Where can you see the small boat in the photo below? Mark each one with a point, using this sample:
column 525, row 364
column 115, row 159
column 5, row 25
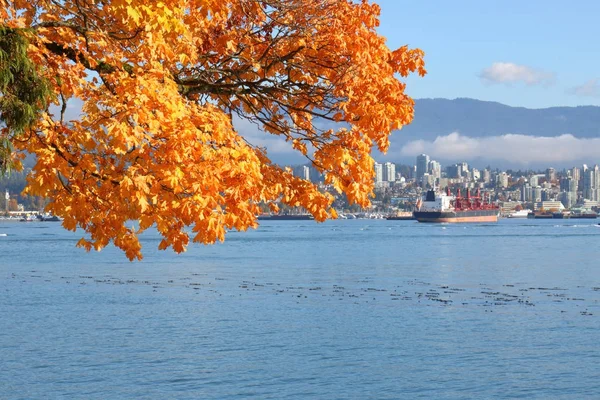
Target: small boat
column 401, row 216
column 539, row 215
column 519, row 214
column 51, row 218
column 587, row 214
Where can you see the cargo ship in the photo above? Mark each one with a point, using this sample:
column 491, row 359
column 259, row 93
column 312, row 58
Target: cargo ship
column 445, row 207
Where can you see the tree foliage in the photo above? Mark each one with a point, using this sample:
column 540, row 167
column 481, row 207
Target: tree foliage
column 24, row 92
column 160, row 82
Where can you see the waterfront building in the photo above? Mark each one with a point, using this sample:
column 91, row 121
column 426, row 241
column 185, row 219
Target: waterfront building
column 551, row 205
column 506, row 207
column 588, row 204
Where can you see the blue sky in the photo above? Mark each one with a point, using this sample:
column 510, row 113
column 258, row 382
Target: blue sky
column 533, row 54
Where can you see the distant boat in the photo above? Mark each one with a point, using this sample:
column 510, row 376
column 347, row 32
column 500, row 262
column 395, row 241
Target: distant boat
column 538, row 215
column 401, row 216
column 51, row 218
column 519, row 214
column 585, row 214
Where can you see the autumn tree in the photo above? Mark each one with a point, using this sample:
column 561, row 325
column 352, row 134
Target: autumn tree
column 160, row 82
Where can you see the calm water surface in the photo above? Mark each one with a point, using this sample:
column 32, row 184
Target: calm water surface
column 295, row 310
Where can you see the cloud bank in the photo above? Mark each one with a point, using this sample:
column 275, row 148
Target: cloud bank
column 278, row 150
column 508, row 73
column 590, row 88
column 520, row 150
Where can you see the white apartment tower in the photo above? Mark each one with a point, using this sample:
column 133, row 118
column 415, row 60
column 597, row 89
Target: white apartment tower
column 435, row 169
column 378, row 173
column 305, row 173
column 389, row 172
column 591, row 183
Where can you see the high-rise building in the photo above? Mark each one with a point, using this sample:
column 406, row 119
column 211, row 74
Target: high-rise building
column 464, row 169
column 305, row 173
column 536, row 194
column 568, row 199
column 502, row 180
column 389, row 172
column 568, row 185
column 475, row 174
column 378, row 173
column 545, row 195
column 486, row 175
column 576, row 174
column 550, row 174
column 591, row 183
column 435, row 169
column 422, row 166
column 453, row 171
column 526, row 193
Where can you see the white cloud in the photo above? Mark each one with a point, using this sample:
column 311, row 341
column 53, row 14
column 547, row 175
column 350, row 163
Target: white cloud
column 278, row 150
column 257, row 137
column 515, row 149
column 590, row 88
column 501, row 72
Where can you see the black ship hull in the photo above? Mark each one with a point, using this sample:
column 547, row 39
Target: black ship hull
column 457, row 216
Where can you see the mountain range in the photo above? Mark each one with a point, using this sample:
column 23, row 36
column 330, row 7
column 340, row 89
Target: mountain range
column 488, row 132
column 476, row 118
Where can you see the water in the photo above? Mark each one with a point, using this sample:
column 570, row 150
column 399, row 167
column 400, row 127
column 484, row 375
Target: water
column 346, row 309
